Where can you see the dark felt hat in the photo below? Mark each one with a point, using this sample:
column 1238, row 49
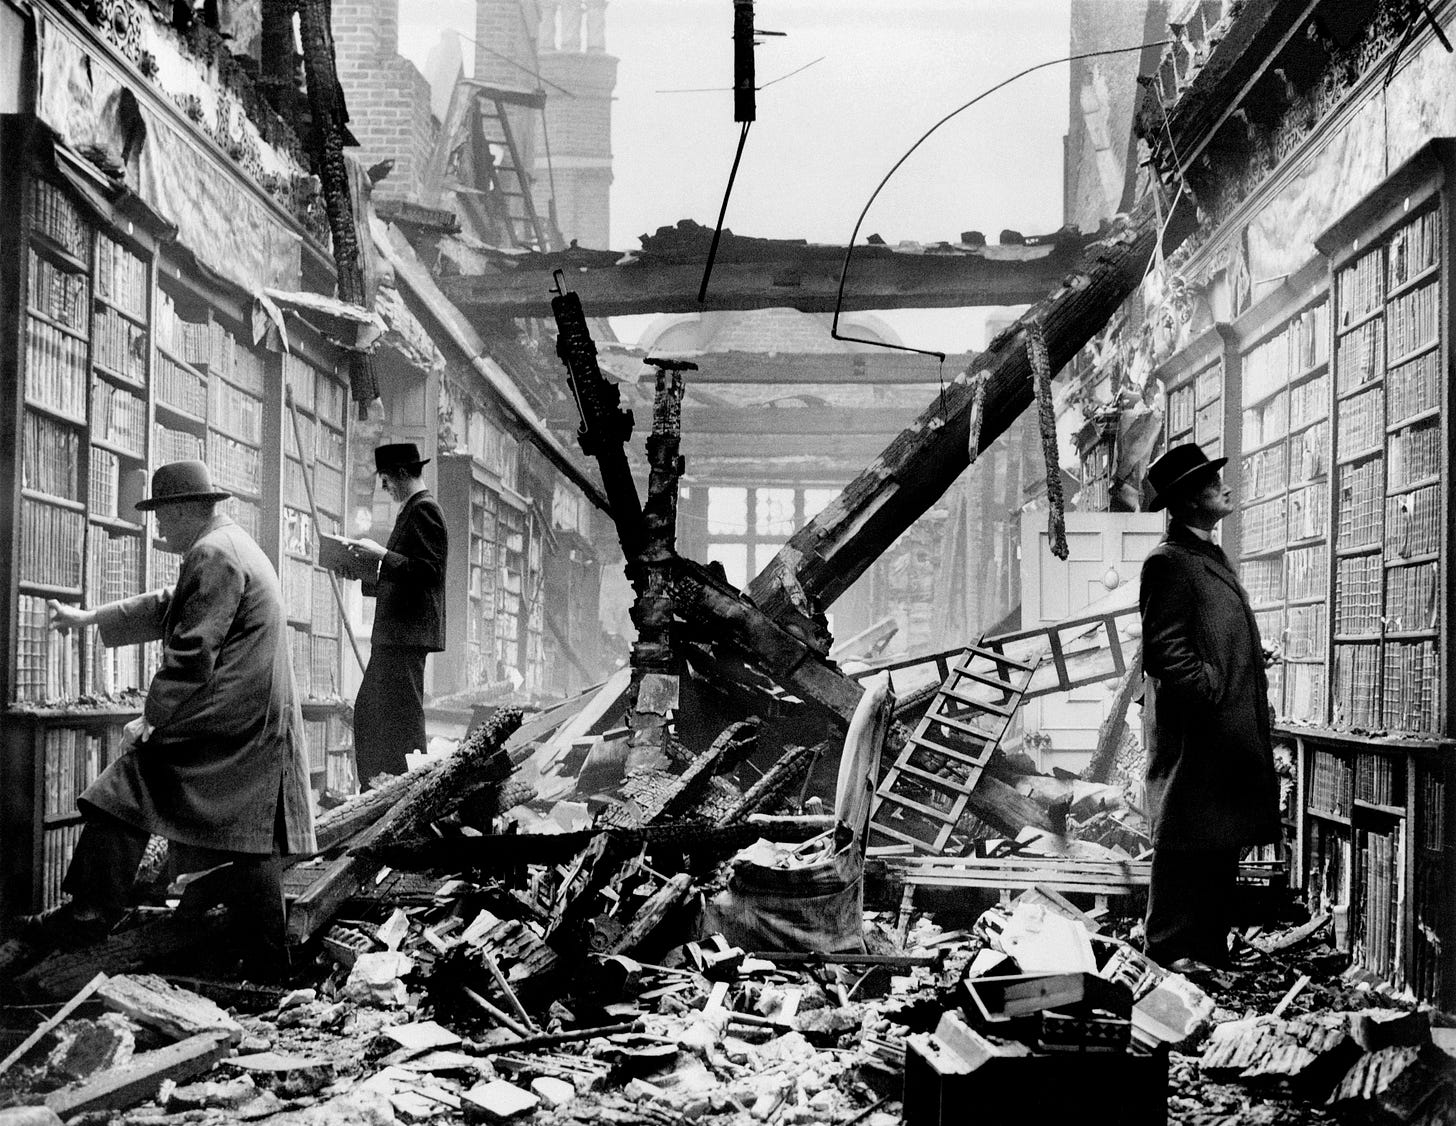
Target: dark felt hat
column 1181, row 468
column 397, row 455
column 179, row 481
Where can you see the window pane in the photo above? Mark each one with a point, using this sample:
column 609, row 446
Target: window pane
column 727, row 512
column 816, row 500
column 734, row 557
column 773, row 512
column 762, row 553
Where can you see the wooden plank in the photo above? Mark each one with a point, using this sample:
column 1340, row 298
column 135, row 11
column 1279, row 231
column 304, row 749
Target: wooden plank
column 61, row 1014
column 120, row 1087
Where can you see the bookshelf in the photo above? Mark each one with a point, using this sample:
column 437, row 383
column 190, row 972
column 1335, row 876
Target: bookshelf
column 469, row 497
column 1283, row 495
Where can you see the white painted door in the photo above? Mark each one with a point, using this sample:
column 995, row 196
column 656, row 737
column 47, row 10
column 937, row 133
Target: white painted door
column 1105, row 552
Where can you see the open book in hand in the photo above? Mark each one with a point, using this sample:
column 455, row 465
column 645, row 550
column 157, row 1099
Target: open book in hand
column 334, row 554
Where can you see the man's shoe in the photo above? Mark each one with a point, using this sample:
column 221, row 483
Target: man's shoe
column 63, row 927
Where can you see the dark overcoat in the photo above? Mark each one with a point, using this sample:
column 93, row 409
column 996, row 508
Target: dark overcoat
column 1210, row 767
column 227, row 745
column 410, row 586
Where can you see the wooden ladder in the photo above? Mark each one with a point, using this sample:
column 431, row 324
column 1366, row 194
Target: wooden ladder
column 923, row 795
column 511, row 180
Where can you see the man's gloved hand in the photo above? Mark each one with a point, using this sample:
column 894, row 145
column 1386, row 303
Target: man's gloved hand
column 137, row 731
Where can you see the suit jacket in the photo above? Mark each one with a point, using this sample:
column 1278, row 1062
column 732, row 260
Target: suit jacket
column 1210, row 767
column 410, row 586
column 228, row 741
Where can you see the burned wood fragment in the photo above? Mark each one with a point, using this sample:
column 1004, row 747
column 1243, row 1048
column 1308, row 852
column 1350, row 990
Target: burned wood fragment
column 136, row 1081
column 651, row 914
column 777, row 781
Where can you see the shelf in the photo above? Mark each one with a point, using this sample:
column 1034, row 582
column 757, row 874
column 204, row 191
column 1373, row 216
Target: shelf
column 1420, row 483
column 1304, row 661
column 1350, row 459
column 166, row 351
column 180, row 415
column 120, row 380
column 1414, row 281
column 1308, row 600
column 53, row 412
column 60, row 820
column 1414, row 353
column 139, row 320
column 119, row 451
column 117, row 524
column 1412, row 560
column 1308, row 541
column 213, row 428
column 1428, row 413
column 1325, row 815
column 1360, row 549
column 75, row 714
column 48, row 498
column 1310, row 372
column 1263, row 553
column 1412, row 635
column 33, row 587
column 1309, row 424
column 59, row 326
column 54, row 250
column 1290, row 381
column 1269, row 445
column 1341, row 396
column 1296, row 485
column 1360, row 322
column 1375, row 807
column 1355, row 638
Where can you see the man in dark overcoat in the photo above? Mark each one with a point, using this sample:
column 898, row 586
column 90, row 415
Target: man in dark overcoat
column 216, row 763
column 1211, row 785
column 409, row 616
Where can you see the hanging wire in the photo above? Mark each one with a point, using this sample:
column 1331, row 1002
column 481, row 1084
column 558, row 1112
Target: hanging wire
column 722, row 211
column 849, row 250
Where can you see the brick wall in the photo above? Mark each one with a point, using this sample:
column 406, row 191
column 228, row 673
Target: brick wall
column 388, row 98
column 581, row 144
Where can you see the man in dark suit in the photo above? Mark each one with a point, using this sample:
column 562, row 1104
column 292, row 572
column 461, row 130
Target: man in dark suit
column 1211, row 785
column 409, row 617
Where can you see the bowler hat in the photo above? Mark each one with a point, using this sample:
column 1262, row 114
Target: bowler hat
column 179, row 481
column 1176, row 470
column 397, row 455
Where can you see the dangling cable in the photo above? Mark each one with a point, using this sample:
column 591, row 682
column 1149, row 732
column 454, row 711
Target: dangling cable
column 722, row 211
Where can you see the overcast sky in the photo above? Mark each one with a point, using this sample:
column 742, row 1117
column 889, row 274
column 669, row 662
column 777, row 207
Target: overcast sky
column 825, row 137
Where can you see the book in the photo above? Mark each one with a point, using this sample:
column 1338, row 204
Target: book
column 334, row 555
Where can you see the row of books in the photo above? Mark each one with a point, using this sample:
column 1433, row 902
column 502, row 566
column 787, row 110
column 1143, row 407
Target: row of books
column 235, row 465
column 1309, row 401
column 1414, row 454
column 297, row 579
column 248, row 515
column 1431, row 812
column 1208, row 425
column 1413, row 597
column 1361, row 504
column 1263, row 579
column 1360, row 289
column 119, row 418
column 73, row 759
column 121, row 277
column 315, row 664
column 298, row 532
column 1306, row 633
column 1415, row 387
column 114, row 671
column 1309, row 453
column 234, row 412
column 1409, row 695
column 51, row 540
column 1357, row 675
column 1361, row 423
column 1414, row 248
column 1303, row 693
column 105, row 494
column 1264, row 423
column 1413, row 320
column 1360, row 356
column 1413, row 523
column 1375, row 780
column 1427, row 971
column 55, row 369
column 57, row 292
column 185, row 339
column 171, row 444
column 325, row 608
column 50, row 456
column 56, row 217
column 114, row 568
column 1331, row 782
column 47, row 663
column 1296, row 348
column 1309, row 509
column 56, row 849
column 181, row 387
column 1264, row 526
column 1307, row 572
column 1357, row 594
column 1381, row 864
column 1180, row 410
column 164, row 568
column 119, row 345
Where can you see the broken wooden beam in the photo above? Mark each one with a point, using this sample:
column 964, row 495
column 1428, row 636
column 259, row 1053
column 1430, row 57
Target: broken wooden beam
column 825, row 557
column 175, row 1012
column 60, row 1014
column 651, row 914
column 121, row 1087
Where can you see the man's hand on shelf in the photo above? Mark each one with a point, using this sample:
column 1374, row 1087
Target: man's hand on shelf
column 65, row 617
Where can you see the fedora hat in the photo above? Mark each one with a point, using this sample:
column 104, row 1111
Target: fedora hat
column 397, row 455
column 1176, row 470
column 179, row 481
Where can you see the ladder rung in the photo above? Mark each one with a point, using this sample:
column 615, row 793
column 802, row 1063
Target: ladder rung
column 962, row 697
column 951, row 752
column 950, row 785
column 1005, row 686
column 961, row 725
column 924, row 810
column 1004, row 711
column 915, row 842
column 1000, row 659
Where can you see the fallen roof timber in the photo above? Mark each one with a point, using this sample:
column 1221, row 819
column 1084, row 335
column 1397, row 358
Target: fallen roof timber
column 787, row 276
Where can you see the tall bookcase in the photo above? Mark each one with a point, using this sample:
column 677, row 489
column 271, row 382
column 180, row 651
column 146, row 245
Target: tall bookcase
column 127, row 360
column 1283, row 494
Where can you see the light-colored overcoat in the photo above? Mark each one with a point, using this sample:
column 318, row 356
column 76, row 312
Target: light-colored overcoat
column 226, row 758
